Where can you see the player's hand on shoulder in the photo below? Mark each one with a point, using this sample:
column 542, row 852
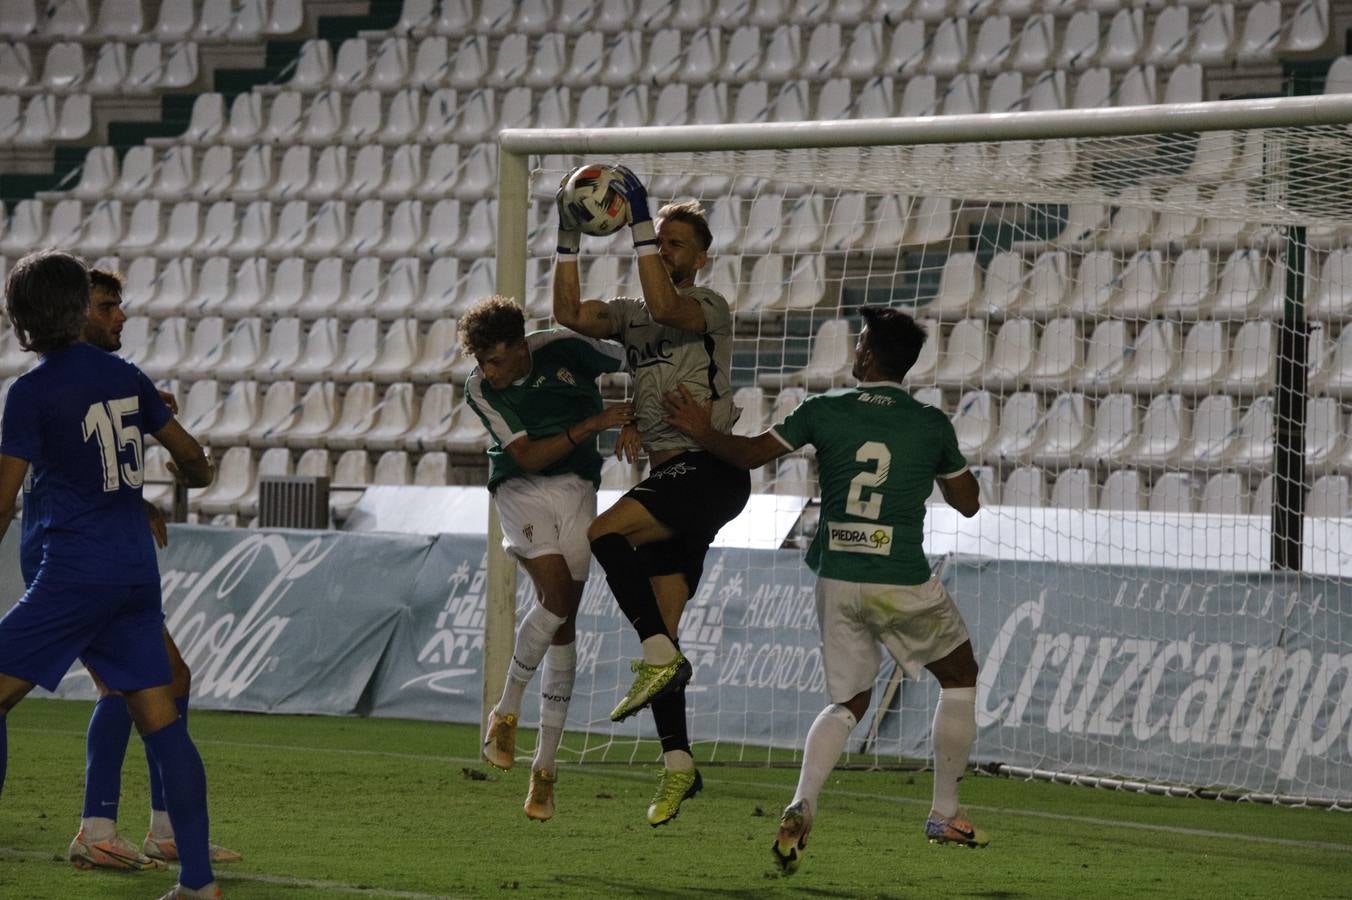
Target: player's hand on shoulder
column 629, row 445
column 631, row 187
column 170, row 401
column 685, row 413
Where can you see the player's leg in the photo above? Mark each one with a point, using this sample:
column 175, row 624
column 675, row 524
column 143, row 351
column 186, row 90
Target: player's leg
column 129, row 653
column 530, row 509
column 851, row 658
column 554, row 587
column 12, row 690
column 921, row 626
column 954, row 734
column 680, row 780
column 40, row 637
column 615, row 537
column 159, row 843
column 98, row 844
column 169, row 747
column 575, row 511
column 686, row 498
column 559, row 671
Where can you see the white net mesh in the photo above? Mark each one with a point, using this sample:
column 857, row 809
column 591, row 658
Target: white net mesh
column 1141, row 344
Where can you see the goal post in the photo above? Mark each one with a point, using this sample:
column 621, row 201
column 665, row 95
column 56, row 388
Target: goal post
column 1137, row 319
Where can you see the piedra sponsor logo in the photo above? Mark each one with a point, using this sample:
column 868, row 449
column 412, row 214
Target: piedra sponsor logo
column 859, row 537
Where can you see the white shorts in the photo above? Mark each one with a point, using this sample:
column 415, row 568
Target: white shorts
column 543, row 515
column 917, row 623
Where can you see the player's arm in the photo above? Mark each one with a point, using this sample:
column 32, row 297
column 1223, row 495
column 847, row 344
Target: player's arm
column 191, row 464
column 962, row 492
column 12, row 473
column 534, row 454
column 589, row 317
column 666, row 305
column 688, row 415
column 158, row 529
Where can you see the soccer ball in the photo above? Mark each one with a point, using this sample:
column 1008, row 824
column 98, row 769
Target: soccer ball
column 591, row 197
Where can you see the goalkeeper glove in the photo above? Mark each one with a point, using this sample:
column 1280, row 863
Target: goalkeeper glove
column 640, row 219
column 570, row 235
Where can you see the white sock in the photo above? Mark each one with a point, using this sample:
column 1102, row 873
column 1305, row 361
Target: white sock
column 159, row 823
column 954, row 733
column 556, row 689
column 658, row 650
column 532, row 640
column 678, row 760
column 98, row 828
column 825, row 742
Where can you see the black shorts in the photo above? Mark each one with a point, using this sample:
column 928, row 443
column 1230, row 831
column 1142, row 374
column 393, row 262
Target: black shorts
column 694, row 494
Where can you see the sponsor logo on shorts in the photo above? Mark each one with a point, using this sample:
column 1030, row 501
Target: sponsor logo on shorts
column 565, row 376
column 859, row 537
column 529, row 532
column 675, row 470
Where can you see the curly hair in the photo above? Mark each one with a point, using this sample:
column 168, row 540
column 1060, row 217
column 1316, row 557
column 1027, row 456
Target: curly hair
column 47, row 299
column 692, row 214
column 492, row 321
column 894, row 339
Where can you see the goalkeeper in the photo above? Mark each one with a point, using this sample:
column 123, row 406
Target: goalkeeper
column 879, row 453
column 652, row 542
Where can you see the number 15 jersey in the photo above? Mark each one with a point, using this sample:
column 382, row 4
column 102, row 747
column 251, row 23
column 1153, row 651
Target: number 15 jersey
column 878, row 453
column 78, row 418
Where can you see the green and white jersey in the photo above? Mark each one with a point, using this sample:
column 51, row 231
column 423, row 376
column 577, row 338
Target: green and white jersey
column 878, row 453
column 661, row 357
column 560, row 390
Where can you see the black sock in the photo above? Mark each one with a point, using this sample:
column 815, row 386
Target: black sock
column 629, row 583
column 669, row 716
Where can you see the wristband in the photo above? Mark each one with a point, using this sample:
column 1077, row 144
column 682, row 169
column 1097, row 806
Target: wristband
column 645, row 238
column 568, row 243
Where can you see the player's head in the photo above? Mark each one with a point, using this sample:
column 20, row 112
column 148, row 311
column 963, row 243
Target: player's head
column 103, row 328
column 888, row 345
column 47, row 298
column 493, row 331
column 683, row 240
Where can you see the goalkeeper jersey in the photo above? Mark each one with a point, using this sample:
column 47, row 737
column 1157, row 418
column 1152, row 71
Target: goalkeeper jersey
column 661, row 358
column 559, row 391
column 878, row 453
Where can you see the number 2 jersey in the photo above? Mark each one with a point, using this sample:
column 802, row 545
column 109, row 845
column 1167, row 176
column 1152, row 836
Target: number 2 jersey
column 78, row 418
column 878, row 453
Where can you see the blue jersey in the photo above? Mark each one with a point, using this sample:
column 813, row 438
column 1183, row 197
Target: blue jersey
column 78, row 418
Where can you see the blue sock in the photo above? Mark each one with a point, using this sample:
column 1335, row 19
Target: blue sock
column 185, row 791
column 4, row 750
column 156, row 785
column 105, row 750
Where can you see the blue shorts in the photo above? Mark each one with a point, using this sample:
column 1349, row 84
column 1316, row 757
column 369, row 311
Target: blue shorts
column 117, row 630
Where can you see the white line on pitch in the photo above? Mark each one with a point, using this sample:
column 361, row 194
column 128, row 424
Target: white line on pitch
column 644, row 776
column 280, row 880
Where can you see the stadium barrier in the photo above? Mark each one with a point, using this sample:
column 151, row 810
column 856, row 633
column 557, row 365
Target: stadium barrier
column 1206, row 678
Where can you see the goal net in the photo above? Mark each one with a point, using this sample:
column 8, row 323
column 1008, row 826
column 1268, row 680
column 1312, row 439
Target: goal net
column 1143, row 338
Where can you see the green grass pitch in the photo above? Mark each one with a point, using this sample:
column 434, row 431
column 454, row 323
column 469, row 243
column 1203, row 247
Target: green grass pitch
column 326, row 807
